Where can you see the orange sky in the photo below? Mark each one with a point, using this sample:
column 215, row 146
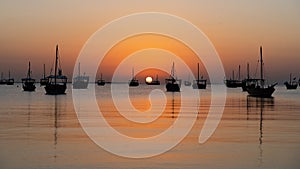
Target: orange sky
column 31, row 29
column 152, row 58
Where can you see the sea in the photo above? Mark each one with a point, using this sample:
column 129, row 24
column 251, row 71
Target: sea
column 44, row 131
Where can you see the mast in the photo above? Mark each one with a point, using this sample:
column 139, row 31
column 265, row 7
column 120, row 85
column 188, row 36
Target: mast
column 28, row 73
column 8, row 74
column 290, row 78
column 233, row 75
column 198, row 72
column 248, row 76
column 56, row 59
column 261, row 67
column 101, row 76
column 239, row 72
column 156, row 77
column 172, row 71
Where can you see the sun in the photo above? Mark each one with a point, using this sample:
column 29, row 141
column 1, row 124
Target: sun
column 148, row 79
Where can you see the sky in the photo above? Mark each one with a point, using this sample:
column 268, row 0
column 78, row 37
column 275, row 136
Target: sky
column 31, row 29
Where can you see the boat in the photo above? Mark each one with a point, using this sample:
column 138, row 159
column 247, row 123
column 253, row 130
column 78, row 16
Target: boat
column 257, row 87
column 133, row 82
column 154, row 82
column 80, row 81
column 101, row 81
column 57, row 83
column 28, row 82
column 187, row 82
column 10, row 81
column 234, row 83
column 44, row 80
column 292, row 84
column 2, row 80
column 199, row 83
column 173, row 84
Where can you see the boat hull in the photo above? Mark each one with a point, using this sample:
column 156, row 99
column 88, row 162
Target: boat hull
column 199, row 85
column 134, row 83
column 233, row 83
column 80, row 85
column 172, row 87
column 244, row 85
column 80, row 82
column 2, row 82
column 153, row 83
column 261, row 92
column 290, row 86
column 55, row 89
column 101, row 83
column 43, row 82
column 30, row 87
column 10, row 82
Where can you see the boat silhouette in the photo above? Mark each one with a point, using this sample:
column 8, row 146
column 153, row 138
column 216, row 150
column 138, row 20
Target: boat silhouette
column 2, row 80
column 154, row 82
column 187, row 82
column 133, row 82
column 44, row 80
column 234, row 83
column 28, row 82
column 57, row 83
column 80, row 81
column 10, row 81
column 101, row 81
column 199, row 83
column 173, row 84
column 292, row 84
column 257, row 87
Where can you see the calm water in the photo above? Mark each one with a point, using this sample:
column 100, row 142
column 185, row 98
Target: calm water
column 41, row 131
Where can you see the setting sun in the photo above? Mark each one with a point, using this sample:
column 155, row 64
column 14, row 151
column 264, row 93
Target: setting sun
column 148, row 79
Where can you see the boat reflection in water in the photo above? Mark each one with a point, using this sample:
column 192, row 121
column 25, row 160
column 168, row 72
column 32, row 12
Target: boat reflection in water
column 55, row 124
column 259, row 105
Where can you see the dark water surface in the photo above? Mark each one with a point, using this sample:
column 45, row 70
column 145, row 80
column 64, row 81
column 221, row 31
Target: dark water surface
column 41, row 131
